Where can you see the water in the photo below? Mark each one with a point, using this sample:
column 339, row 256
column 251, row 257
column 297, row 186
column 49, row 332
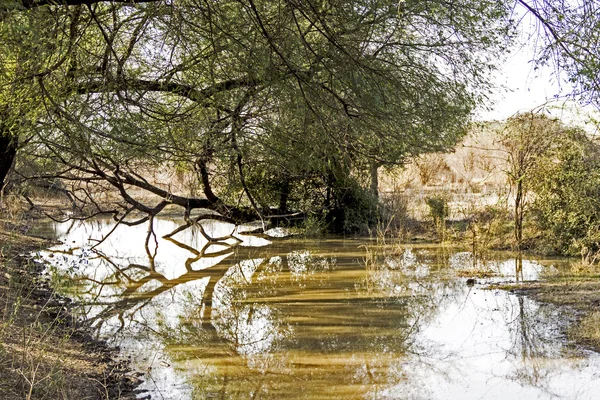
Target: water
column 266, row 318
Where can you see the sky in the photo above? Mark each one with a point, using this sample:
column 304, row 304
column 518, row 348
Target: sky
column 526, row 88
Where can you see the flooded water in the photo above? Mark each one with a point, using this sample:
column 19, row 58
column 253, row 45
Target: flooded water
column 244, row 316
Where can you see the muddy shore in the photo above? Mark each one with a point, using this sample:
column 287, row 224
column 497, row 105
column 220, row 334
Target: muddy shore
column 45, row 352
column 578, row 295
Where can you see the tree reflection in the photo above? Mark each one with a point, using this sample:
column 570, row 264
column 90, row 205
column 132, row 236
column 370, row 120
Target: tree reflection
column 254, row 322
column 536, row 353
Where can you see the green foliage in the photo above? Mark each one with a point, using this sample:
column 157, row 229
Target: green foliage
column 258, row 95
column 354, row 208
column 439, row 211
column 438, row 208
column 526, row 138
column 566, row 183
column 314, row 226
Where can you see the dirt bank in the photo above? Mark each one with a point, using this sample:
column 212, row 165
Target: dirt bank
column 44, row 352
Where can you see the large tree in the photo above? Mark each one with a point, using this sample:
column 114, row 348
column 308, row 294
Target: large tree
column 254, row 95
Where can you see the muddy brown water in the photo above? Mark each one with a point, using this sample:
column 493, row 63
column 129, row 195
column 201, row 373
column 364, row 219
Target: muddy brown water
column 249, row 317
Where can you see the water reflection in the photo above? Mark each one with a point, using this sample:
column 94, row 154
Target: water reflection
column 210, row 311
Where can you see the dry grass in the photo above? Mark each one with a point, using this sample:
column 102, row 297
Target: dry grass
column 471, row 180
column 588, row 330
column 476, row 272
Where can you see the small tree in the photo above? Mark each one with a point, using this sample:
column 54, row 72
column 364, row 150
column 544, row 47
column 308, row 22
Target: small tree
column 526, row 137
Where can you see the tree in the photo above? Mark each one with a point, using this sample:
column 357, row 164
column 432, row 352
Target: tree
column 251, row 94
column 526, row 138
column 20, row 39
column 566, row 208
column 567, row 37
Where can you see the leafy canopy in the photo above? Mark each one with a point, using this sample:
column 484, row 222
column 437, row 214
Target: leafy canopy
column 251, row 94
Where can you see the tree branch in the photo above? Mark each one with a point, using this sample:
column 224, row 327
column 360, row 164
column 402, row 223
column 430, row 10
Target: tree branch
column 28, row 4
column 181, row 89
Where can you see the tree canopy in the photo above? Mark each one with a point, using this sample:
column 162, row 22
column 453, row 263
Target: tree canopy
column 275, row 106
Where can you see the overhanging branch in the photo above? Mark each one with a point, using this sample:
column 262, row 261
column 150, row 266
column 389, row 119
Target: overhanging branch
column 180, row 89
column 28, row 4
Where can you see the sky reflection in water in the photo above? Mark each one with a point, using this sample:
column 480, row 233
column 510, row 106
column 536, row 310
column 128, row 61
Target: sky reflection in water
column 253, row 317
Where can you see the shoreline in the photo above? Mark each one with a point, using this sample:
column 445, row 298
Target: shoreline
column 577, row 295
column 45, row 353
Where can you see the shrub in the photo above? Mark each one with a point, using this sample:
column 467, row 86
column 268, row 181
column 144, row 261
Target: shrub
column 566, row 208
column 438, row 208
column 314, row 225
column 355, row 208
column 439, row 211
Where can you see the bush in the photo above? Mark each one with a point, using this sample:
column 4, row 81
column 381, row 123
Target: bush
column 439, row 211
column 438, row 208
column 566, row 208
column 489, row 227
column 355, row 208
column 314, row 226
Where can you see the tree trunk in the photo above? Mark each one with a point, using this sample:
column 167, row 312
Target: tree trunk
column 205, row 178
column 519, row 267
column 8, row 151
column 519, row 209
column 284, row 195
column 374, row 179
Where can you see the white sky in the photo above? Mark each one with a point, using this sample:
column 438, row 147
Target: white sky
column 526, row 88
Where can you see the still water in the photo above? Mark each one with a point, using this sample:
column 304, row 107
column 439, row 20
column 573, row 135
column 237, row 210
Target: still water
column 243, row 316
